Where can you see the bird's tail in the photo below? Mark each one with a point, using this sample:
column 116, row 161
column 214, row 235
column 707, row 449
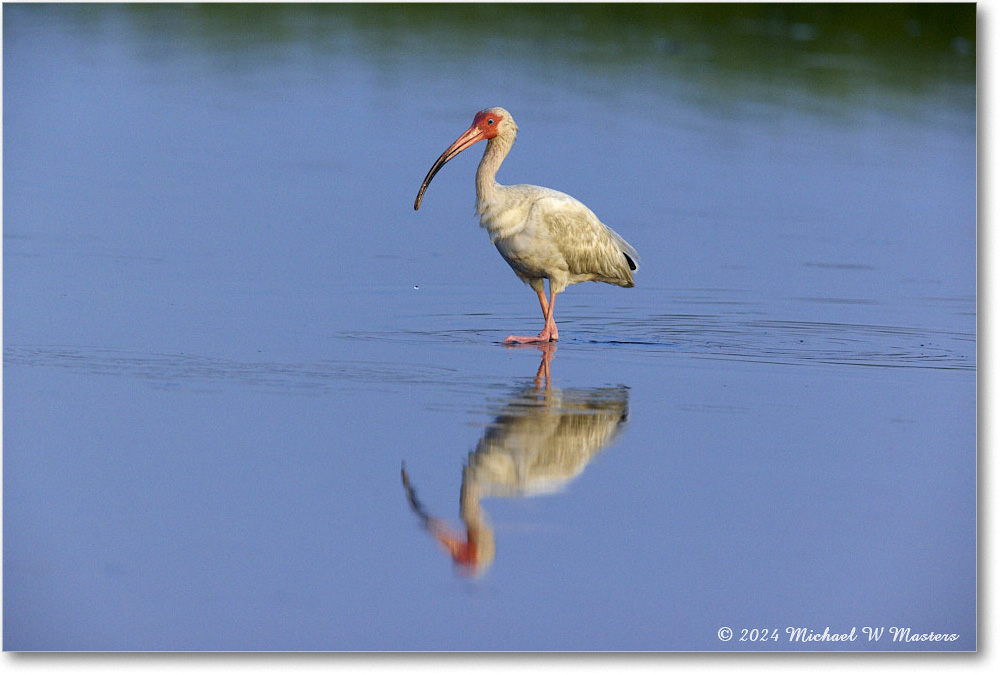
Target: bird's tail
column 631, row 255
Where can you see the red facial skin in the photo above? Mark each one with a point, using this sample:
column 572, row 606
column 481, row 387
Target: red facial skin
column 487, row 123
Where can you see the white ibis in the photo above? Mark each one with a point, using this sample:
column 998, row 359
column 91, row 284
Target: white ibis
column 541, row 233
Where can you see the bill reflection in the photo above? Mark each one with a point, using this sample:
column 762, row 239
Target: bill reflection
column 541, row 439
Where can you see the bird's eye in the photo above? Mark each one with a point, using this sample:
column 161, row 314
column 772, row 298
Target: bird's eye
column 490, row 121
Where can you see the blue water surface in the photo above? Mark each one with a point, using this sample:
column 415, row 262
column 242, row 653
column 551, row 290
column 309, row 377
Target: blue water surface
column 226, row 330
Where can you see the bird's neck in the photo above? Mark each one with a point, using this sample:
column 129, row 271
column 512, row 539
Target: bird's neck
column 487, row 188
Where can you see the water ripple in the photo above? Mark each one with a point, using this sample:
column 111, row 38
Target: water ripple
column 735, row 338
column 168, row 371
column 789, row 342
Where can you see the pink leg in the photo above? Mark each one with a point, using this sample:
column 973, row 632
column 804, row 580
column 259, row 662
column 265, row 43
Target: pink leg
column 550, row 332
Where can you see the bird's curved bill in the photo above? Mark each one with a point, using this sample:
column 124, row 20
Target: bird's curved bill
column 471, row 136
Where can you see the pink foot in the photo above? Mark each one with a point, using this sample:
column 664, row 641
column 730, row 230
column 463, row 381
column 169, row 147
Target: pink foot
column 544, row 336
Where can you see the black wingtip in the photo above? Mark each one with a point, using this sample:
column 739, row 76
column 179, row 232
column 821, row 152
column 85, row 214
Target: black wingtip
column 631, row 263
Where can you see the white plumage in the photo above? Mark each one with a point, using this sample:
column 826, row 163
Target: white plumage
column 541, row 233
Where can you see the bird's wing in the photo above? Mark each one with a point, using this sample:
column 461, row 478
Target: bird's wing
column 588, row 245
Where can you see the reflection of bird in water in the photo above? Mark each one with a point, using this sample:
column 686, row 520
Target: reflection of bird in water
column 540, row 441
